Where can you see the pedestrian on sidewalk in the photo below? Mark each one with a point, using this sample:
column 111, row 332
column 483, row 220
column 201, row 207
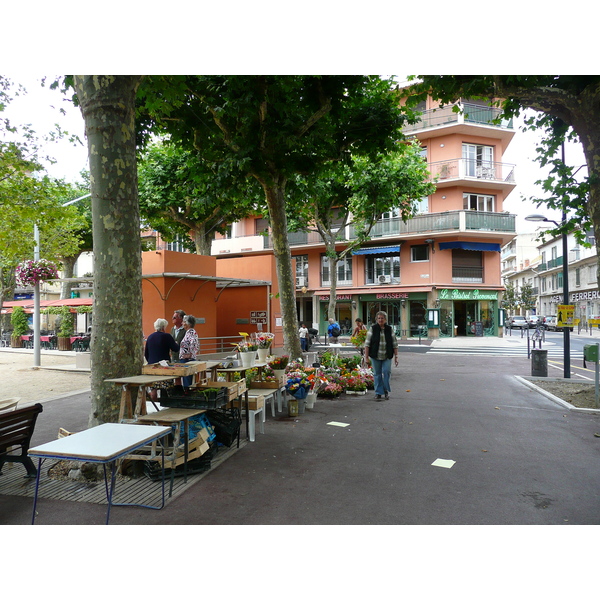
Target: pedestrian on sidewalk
column 381, row 346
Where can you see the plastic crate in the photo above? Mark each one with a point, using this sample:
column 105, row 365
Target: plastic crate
column 208, row 398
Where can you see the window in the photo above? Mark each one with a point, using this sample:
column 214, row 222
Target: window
column 467, row 266
column 422, row 205
column 382, row 266
column 344, row 271
column 578, row 277
column 478, row 202
column 261, row 226
column 177, row 245
column 479, row 161
column 301, row 270
column 419, row 253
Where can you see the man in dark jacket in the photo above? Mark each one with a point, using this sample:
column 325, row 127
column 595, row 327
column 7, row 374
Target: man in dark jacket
column 177, row 332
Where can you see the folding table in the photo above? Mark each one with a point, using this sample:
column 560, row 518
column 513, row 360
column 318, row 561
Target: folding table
column 104, row 444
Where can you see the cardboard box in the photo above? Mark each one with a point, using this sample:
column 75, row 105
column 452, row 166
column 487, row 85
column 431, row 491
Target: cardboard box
column 254, row 402
column 177, row 370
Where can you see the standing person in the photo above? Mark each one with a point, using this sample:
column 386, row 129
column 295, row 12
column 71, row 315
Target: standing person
column 333, row 331
column 380, row 346
column 359, row 326
column 160, row 343
column 178, row 331
column 303, row 333
column 189, row 347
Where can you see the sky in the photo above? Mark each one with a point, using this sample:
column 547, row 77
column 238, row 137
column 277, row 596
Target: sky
column 40, row 107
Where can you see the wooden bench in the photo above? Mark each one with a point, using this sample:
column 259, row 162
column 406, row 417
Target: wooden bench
column 16, row 429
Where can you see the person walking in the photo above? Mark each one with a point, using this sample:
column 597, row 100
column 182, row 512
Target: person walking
column 333, row 331
column 303, row 333
column 381, row 346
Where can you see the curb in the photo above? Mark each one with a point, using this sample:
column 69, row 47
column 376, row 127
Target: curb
column 529, row 382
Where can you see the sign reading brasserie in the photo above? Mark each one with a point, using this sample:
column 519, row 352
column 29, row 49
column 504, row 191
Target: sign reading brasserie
column 467, row 295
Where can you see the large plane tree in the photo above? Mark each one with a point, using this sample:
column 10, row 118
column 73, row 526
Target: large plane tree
column 271, row 128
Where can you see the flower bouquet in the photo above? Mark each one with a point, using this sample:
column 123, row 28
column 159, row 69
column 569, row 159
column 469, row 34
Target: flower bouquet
column 279, row 363
column 297, row 385
column 264, row 340
column 247, row 344
column 31, row 272
column 355, row 383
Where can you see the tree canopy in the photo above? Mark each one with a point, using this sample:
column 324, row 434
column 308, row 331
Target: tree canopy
column 567, row 108
column 272, row 128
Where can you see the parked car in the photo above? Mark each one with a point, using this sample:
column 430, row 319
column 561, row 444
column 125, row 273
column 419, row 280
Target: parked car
column 534, row 321
column 551, row 324
column 517, row 322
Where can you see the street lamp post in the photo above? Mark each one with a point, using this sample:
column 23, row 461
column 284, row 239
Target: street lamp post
column 566, row 337
column 36, row 292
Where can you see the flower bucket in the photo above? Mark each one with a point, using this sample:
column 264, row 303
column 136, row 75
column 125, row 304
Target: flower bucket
column 280, row 374
column 293, row 407
column 263, row 354
column 301, row 406
column 310, row 400
column 248, row 359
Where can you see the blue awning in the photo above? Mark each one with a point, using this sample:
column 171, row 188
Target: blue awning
column 480, row 246
column 378, row 250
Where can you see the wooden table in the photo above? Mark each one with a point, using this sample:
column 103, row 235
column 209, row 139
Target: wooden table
column 170, row 416
column 139, row 384
column 104, row 444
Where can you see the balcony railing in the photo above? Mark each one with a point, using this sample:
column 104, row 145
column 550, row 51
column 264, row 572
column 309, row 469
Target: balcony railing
column 465, row 168
column 470, row 113
column 467, row 274
column 451, row 221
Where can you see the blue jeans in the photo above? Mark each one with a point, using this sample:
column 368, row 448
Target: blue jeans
column 304, row 344
column 382, row 370
column 188, row 379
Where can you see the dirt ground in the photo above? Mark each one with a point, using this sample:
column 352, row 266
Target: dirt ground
column 580, row 395
column 19, row 377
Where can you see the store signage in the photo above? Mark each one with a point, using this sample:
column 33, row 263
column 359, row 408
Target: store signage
column 392, row 296
column 258, row 316
column 337, row 297
column 446, row 294
column 589, row 295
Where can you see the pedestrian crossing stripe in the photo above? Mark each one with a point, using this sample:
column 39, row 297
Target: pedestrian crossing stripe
column 495, row 351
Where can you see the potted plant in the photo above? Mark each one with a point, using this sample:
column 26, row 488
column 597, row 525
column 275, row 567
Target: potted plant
column 247, row 349
column 67, row 321
column 20, row 324
column 32, row 272
column 263, row 342
column 278, row 364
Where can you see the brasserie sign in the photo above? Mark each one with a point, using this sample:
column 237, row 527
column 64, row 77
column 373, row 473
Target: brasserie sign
column 446, row 294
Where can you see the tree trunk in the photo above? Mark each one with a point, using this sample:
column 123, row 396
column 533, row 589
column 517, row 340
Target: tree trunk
column 107, row 104
column 275, row 195
column 68, row 264
column 202, row 240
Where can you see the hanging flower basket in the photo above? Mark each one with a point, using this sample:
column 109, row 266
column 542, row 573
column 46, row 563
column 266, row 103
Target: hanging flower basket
column 31, row 272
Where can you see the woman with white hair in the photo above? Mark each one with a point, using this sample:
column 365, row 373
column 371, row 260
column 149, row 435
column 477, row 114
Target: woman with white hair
column 381, row 346
column 159, row 343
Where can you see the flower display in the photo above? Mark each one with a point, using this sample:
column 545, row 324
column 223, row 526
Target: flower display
column 298, row 384
column 248, row 344
column 331, row 390
column 355, row 383
column 31, row 272
column 279, row 363
column 358, row 340
column 264, row 340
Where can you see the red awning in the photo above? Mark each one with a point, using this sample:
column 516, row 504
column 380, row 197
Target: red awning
column 28, row 304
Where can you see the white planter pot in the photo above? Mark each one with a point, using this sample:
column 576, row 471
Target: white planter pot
column 263, row 354
column 311, row 398
column 248, row 359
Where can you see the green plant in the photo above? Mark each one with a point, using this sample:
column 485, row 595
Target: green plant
column 66, row 323
column 19, row 321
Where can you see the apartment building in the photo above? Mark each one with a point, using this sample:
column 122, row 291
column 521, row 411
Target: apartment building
column 438, row 274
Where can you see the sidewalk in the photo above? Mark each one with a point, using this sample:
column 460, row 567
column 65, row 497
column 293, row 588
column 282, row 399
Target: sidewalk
column 514, row 458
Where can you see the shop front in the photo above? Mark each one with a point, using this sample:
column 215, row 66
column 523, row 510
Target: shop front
column 343, row 313
column 470, row 313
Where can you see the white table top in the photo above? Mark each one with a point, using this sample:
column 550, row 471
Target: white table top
column 103, row 443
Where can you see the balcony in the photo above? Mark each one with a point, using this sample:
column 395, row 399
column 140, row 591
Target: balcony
column 469, row 120
column 491, row 175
